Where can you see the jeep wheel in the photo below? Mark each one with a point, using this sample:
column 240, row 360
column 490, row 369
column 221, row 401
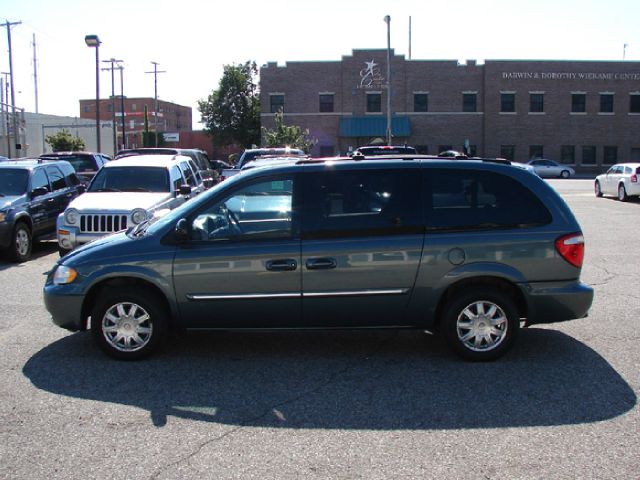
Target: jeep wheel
column 622, row 193
column 481, row 324
column 597, row 189
column 129, row 325
column 22, row 243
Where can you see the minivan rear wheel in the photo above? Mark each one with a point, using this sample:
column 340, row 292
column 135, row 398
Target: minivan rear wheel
column 129, row 325
column 480, row 324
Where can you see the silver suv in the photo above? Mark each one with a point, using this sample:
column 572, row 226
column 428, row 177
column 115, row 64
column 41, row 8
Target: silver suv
column 125, row 193
column 469, row 249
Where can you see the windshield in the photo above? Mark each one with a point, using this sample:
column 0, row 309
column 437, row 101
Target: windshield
column 13, row 182
column 131, row 179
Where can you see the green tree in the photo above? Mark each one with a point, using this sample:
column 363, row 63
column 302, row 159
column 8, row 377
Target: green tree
column 63, row 141
column 231, row 114
column 287, row 135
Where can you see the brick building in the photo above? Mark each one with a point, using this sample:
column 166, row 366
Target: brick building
column 583, row 113
column 172, row 118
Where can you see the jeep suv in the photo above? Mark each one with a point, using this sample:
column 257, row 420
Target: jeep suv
column 469, row 249
column 124, row 193
column 32, row 195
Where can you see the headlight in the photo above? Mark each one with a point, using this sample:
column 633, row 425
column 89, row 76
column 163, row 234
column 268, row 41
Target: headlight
column 138, row 216
column 64, row 275
column 71, row 216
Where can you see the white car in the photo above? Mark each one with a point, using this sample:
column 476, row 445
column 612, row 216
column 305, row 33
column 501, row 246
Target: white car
column 621, row 180
column 548, row 168
column 124, row 193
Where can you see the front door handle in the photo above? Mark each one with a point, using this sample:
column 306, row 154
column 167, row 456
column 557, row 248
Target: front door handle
column 321, row 263
column 284, row 265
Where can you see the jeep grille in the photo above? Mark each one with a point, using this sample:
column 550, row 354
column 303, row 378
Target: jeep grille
column 102, row 223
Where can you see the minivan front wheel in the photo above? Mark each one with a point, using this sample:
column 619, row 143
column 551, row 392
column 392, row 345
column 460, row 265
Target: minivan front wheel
column 128, row 324
column 480, row 324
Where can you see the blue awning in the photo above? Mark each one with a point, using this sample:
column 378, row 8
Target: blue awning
column 374, row 127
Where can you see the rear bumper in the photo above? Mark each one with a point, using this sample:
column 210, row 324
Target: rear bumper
column 557, row 301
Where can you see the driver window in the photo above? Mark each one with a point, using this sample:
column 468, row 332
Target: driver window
column 256, row 211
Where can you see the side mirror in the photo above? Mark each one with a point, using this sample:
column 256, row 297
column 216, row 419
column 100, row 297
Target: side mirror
column 185, row 190
column 38, row 192
column 181, row 232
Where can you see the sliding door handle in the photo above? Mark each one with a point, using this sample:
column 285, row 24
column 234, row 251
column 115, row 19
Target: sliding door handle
column 321, row 263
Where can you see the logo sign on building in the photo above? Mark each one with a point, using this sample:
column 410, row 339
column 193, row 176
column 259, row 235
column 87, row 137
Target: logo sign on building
column 370, row 76
column 171, row 137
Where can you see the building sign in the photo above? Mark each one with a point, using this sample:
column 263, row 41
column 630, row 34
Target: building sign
column 171, row 137
column 569, row 76
column 370, row 76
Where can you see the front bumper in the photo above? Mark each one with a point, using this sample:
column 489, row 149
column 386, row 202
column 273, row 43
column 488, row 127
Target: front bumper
column 65, row 309
column 6, row 234
column 70, row 237
column 552, row 302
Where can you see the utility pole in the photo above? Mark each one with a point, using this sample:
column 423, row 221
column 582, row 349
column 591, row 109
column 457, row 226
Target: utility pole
column 155, row 96
column 113, row 102
column 4, row 92
column 387, row 19
column 16, row 132
column 124, row 133
column 35, row 71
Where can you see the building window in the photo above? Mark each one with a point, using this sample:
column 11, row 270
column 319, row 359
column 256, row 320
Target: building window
column 374, row 102
column 508, row 102
column 588, row 155
column 87, row 109
column 277, row 102
column 536, row 102
column 568, row 154
column 508, row 152
column 578, row 102
column 110, row 108
column 134, row 107
column 634, row 103
column 469, row 102
column 420, row 102
column 326, row 102
column 536, row 151
column 606, row 103
column 610, row 154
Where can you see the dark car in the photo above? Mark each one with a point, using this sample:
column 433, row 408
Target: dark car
column 32, row 195
column 209, row 174
column 86, row 164
column 469, row 249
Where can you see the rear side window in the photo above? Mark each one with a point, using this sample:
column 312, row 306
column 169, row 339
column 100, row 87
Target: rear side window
column 56, row 177
column 362, row 203
column 477, row 200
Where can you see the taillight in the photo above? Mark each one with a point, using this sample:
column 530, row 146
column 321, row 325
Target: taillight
column 634, row 178
column 571, row 248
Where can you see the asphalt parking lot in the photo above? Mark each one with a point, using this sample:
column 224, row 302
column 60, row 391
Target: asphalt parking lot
column 364, row 405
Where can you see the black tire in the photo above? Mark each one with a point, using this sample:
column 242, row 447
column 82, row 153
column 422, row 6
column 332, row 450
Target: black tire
column 136, row 325
column 467, row 321
column 565, row 174
column 21, row 243
column 597, row 189
column 622, row 193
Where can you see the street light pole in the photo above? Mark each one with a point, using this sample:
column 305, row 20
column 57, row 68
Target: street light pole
column 94, row 42
column 387, row 19
column 124, row 134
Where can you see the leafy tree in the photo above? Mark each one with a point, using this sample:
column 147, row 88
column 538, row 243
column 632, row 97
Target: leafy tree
column 287, row 135
column 63, row 141
column 231, row 113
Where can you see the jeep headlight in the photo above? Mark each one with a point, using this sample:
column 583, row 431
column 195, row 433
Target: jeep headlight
column 71, row 216
column 64, row 275
column 139, row 215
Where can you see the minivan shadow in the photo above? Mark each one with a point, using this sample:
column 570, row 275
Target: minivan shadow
column 343, row 380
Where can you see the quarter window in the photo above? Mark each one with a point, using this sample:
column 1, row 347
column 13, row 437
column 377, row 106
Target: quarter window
column 459, row 200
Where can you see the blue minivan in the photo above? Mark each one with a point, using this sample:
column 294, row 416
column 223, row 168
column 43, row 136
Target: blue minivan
column 469, row 249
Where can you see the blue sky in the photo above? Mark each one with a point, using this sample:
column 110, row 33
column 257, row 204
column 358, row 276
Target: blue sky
column 193, row 39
